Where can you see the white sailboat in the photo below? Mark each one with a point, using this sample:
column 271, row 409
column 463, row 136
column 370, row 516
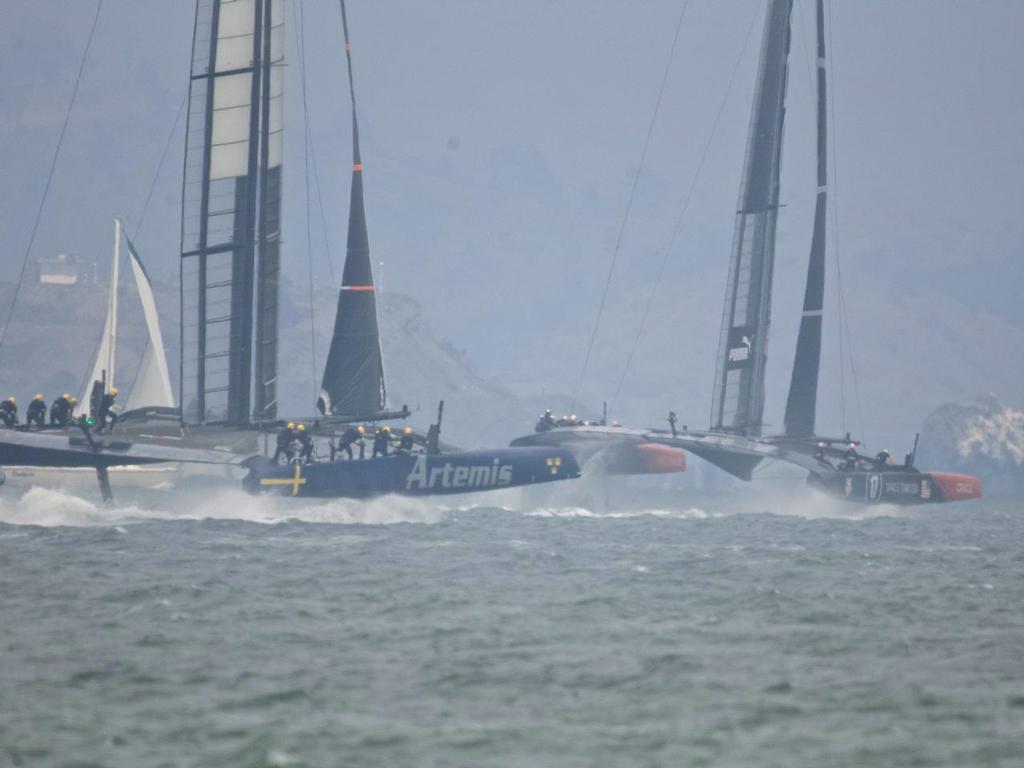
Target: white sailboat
column 152, row 386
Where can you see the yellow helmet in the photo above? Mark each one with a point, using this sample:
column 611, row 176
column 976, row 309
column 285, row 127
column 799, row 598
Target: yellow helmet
column 385, row 428
column 12, row 399
column 39, row 396
column 113, row 390
column 72, row 400
column 407, row 430
column 291, row 425
column 301, row 427
column 361, row 429
column 66, row 396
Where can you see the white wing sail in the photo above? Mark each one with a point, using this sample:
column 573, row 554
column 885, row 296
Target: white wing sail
column 152, row 383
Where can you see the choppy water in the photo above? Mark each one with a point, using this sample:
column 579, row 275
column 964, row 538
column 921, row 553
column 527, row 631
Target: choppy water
column 407, row 634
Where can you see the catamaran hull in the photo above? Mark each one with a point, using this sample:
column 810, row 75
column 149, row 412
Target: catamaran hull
column 903, row 488
column 416, row 475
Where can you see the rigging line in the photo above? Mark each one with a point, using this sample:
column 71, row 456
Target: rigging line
column 844, row 315
column 629, row 207
column 685, row 207
column 160, row 165
column 301, row 31
column 49, row 175
column 320, row 206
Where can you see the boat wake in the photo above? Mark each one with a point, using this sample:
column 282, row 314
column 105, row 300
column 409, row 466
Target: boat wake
column 55, row 508
column 692, row 513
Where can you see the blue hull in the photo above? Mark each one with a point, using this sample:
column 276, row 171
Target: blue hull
column 416, row 474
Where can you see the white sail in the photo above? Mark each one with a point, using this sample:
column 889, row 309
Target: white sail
column 153, row 382
column 103, row 366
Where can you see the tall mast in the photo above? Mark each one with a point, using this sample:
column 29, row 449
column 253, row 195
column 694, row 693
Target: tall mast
column 353, row 381
column 803, row 387
column 223, row 223
column 103, row 365
column 115, row 280
column 738, row 403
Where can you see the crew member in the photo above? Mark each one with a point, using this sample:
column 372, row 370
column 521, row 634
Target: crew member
column 406, row 442
column 884, row 458
column 381, row 442
column 547, row 422
column 306, row 442
column 850, row 458
column 284, row 442
column 9, row 411
column 108, row 410
column 36, row 411
column 350, row 436
column 60, row 411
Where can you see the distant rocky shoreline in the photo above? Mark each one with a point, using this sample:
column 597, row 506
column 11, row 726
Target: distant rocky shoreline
column 981, row 436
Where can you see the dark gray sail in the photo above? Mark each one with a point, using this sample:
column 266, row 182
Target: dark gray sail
column 801, row 404
column 353, row 382
column 738, row 402
column 232, row 165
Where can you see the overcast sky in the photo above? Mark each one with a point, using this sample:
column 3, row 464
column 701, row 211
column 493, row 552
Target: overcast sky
column 500, row 141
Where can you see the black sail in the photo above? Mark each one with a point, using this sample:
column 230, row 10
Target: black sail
column 353, row 382
column 738, row 403
column 803, row 387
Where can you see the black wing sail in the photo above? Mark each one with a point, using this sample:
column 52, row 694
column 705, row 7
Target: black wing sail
column 803, row 387
column 353, row 383
column 738, row 403
column 228, row 170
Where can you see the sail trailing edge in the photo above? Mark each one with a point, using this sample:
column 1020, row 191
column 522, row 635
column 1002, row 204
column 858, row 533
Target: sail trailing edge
column 353, row 380
column 265, row 395
column 801, row 403
column 738, row 402
column 152, row 385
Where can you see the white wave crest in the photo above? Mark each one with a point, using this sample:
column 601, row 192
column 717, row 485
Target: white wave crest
column 50, row 508
column 693, row 513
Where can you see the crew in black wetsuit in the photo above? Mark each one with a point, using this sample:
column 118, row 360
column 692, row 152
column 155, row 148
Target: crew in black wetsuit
column 405, row 444
column 306, row 442
column 350, row 436
column 381, row 442
column 883, row 459
column 108, row 410
column 60, row 411
column 850, row 458
column 284, row 443
column 35, row 414
column 546, row 423
column 9, row 411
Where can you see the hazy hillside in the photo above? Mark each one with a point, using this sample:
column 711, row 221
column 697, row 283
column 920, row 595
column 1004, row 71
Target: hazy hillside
column 980, row 436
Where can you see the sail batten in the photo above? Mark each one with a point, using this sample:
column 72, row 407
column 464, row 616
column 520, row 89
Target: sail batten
column 801, row 403
column 738, row 403
column 353, row 380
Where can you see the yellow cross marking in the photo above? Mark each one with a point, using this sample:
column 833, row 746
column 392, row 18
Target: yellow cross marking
column 294, row 482
column 554, row 464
